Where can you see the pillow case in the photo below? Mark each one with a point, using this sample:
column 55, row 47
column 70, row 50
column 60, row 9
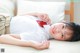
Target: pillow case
column 6, row 7
column 55, row 10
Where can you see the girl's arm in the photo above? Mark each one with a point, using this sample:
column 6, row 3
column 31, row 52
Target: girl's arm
column 43, row 16
column 7, row 39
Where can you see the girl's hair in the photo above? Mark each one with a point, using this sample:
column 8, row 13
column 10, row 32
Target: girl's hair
column 76, row 31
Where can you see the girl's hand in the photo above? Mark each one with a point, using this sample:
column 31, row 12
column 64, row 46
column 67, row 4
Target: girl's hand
column 44, row 17
column 41, row 46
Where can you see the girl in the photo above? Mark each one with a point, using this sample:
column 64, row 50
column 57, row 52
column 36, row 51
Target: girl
column 36, row 35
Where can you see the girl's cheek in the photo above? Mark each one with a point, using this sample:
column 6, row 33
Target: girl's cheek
column 58, row 36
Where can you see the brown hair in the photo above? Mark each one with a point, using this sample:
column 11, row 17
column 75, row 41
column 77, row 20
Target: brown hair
column 76, row 30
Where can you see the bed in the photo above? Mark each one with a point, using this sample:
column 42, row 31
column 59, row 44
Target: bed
column 55, row 46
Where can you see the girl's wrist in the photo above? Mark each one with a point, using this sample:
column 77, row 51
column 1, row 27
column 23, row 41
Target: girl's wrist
column 34, row 45
column 31, row 44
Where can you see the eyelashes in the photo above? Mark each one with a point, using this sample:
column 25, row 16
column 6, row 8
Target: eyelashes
column 63, row 26
column 62, row 35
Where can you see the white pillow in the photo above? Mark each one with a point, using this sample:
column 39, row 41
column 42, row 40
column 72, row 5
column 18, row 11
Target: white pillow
column 6, row 7
column 55, row 10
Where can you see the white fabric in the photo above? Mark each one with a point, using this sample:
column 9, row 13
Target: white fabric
column 55, row 10
column 34, row 36
column 28, row 28
column 6, row 7
column 55, row 47
column 20, row 24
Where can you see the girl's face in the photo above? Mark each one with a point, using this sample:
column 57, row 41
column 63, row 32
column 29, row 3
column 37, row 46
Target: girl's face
column 60, row 31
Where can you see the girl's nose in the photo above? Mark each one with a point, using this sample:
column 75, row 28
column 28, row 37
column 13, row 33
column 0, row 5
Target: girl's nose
column 58, row 30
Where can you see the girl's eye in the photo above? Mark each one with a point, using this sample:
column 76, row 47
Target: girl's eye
column 62, row 26
column 62, row 35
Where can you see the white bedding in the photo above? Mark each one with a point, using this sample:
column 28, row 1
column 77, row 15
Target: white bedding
column 55, row 47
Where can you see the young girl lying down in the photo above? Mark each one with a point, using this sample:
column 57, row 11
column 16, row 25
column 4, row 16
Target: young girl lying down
column 37, row 36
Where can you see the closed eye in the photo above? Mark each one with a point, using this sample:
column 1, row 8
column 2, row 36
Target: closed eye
column 63, row 27
column 62, row 35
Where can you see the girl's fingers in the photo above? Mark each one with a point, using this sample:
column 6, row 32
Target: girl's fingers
column 46, row 44
column 49, row 22
column 45, row 18
column 43, row 45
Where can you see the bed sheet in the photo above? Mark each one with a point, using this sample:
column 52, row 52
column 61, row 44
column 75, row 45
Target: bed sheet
column 55, row 47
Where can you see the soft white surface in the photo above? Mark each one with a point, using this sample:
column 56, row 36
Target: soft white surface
column 55, row 47
column 55, row 10
column 6, row 7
